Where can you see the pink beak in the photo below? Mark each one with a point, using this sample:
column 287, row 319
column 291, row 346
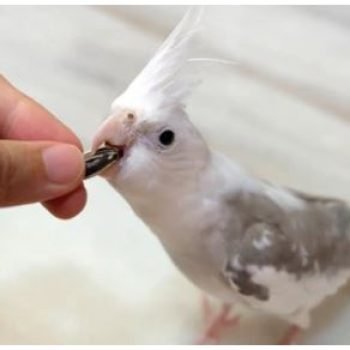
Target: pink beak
column 116, row 131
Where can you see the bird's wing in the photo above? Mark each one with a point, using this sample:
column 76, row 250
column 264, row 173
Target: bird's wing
column 262, row 245
column 288, row 260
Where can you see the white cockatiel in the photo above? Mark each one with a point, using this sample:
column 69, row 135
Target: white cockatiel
column 236, row 237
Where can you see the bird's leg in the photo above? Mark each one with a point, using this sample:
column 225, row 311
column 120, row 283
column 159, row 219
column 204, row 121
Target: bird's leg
column 290, row 336
column 217, row 324
column 207, row 308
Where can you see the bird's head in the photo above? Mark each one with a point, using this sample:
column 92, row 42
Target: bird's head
column 150, row 125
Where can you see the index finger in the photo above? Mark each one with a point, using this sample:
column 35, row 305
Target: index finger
column 22, row 118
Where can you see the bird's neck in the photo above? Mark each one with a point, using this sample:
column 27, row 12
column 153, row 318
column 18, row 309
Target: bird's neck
column 173, row 211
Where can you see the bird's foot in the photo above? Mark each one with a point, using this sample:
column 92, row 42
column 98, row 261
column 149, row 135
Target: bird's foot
column 289, row 338
column 216, row 324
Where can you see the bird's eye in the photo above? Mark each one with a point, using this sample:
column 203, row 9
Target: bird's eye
column 167, row 137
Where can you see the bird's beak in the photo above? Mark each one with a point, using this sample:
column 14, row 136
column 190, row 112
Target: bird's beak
column 117, row 131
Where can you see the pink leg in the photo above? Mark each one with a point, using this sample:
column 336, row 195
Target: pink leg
column 207, row 308
column 219, row 323
column 290, row 336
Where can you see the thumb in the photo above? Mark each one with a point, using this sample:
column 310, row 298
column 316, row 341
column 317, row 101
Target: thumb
column 38, row 171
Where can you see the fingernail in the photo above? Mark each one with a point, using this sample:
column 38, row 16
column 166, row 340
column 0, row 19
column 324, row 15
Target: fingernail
column 63, row 163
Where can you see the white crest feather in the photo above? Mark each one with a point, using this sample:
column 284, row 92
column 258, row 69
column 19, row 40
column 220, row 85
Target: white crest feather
column 164, row 82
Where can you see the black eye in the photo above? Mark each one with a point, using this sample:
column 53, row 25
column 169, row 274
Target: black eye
column 167, row 137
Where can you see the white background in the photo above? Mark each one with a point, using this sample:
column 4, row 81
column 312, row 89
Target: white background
column 282, row 111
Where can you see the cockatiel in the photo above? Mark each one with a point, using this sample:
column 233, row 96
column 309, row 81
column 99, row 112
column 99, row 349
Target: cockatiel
column 238, row 238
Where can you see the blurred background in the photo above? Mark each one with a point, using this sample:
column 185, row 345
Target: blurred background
column 282, row 111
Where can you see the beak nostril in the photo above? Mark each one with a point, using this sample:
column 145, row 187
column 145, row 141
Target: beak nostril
column 131, row 116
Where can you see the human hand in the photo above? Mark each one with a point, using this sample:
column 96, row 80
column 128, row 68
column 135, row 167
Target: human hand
column 41, row 160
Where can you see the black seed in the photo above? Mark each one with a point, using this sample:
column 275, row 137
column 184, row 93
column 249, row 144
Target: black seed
column 94, row 163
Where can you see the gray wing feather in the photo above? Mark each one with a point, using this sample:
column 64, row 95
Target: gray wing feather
column 316, row 238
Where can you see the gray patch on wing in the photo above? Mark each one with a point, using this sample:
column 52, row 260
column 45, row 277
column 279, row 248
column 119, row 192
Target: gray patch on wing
column 301, row 241
column 243, row 280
